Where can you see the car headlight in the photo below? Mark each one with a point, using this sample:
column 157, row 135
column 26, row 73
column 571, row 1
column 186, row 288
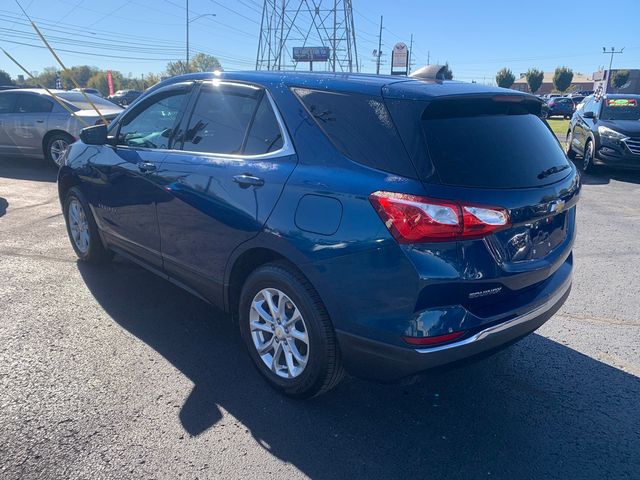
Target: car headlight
column 607, row 132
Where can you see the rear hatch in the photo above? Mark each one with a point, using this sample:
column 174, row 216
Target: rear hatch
column 492, row 150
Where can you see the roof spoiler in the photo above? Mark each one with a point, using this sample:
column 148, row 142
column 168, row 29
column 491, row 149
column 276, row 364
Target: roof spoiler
column 430, row 72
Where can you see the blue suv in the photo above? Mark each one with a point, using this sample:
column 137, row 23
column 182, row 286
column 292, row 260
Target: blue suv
column 382, row 225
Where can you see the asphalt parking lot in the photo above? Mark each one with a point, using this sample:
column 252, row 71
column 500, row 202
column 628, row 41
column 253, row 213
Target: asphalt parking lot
column 110, row 372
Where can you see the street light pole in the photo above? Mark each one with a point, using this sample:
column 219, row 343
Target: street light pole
column 188, row 22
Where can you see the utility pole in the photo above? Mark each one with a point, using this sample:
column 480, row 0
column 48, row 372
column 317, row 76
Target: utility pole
column 428, row 56
column 613, row 51
column 186, row 66
column 410, row 52
column 379, row 48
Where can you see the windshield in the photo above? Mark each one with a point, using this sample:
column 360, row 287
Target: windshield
column 620, row 109
column 77, row 100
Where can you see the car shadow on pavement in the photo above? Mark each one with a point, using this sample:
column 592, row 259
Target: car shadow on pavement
column 536, row 410
column 27, row 168
column 3, row 206
column 603, row 176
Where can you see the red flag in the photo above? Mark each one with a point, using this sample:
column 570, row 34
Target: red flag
column 110, row 82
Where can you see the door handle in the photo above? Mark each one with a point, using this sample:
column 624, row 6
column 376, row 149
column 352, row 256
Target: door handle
column 246, row 180
column 39, row 121
column 147, row 167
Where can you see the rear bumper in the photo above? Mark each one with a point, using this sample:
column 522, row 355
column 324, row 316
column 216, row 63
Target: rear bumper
column 380, row 361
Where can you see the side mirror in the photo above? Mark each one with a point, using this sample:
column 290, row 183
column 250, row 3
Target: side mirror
column 94, row 135
column 588, row 115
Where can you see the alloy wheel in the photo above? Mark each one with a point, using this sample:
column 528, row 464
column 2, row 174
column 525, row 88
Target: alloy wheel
column 58, row 147
column 587, row 158
column 78, row 226
column 279, row 333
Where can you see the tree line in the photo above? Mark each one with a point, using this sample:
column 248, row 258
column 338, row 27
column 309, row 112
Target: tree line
column 92, row 77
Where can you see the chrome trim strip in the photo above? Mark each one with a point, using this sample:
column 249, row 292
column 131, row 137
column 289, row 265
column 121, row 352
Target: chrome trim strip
column 539, row 310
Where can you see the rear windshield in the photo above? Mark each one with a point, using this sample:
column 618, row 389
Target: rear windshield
column 77, row 100
column 484, row 143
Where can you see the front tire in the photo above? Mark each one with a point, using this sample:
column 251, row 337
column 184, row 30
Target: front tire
column 571, row 153
column 288, row 333
column 82, row 229
column 587, row 158
column 57, row 145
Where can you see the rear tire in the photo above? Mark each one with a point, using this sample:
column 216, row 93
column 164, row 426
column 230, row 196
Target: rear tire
column 288, row 333
column 56, row 145
column 82, row 229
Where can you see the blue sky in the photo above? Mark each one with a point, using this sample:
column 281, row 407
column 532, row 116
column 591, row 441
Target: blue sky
column 477, row 38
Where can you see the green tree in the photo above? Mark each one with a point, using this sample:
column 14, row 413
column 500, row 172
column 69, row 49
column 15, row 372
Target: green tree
column 619, row 78
column 80, row 73
column 562, row 78
column 448, row 73
column 200, row 62
column 5, row 78
column 534, row 79
column 505, row 78
column 177, row 68
column 46, row 78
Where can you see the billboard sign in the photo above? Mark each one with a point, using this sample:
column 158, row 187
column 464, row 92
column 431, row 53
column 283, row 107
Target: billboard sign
column 400, row 59
column 311, row 54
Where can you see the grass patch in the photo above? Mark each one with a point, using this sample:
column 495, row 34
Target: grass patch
column 559, row 127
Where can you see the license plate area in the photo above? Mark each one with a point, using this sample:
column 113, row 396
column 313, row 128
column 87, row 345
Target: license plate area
column 535, row 240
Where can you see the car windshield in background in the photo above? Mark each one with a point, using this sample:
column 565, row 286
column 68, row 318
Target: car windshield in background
column 77, row 100
column 620, row 109
column 493, row 146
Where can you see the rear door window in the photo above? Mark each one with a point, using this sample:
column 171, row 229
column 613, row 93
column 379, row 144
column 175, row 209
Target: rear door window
column 484, row 143
column 360, row 127
column 33, row 103
column 221, row 118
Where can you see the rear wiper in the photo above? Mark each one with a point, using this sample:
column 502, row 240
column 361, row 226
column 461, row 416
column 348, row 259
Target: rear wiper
column 551, row 171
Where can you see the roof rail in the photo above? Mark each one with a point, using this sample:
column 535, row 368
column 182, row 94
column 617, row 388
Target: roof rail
column 430, row 72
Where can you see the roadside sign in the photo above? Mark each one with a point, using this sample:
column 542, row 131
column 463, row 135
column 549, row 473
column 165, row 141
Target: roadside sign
column 311, row 54
column 400, row 59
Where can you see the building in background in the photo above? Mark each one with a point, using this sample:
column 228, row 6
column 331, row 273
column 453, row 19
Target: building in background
column 579, row 82
column 604, row 80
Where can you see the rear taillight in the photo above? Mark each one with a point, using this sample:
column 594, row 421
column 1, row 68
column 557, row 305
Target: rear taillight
column 412, row 219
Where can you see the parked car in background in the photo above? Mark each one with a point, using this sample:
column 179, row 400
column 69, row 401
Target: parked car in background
column 583, row 93
column 292, row 201
column 559, row 107
column 606, row 131
column 124, row 97
column 32, row 123
column 92, row 91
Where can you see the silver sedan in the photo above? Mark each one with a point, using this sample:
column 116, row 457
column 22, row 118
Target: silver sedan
column 32, row 123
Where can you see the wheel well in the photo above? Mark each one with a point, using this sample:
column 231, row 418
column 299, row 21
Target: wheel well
column 65, row 182
column 49, row 134
column 244, row 265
